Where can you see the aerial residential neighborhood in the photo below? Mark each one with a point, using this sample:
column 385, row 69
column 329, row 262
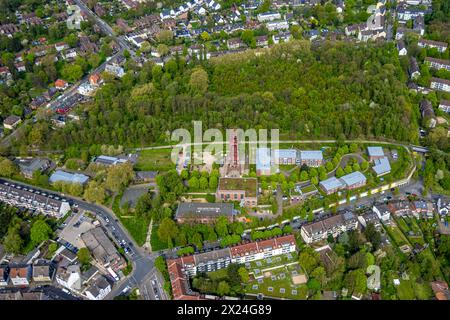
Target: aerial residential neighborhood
column 218, row 150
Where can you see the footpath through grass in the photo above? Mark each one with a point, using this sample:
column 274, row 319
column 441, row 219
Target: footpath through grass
column 155, row 160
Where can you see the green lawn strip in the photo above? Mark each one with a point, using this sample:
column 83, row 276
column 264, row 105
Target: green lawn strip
column 402, row 225
column 151, row 160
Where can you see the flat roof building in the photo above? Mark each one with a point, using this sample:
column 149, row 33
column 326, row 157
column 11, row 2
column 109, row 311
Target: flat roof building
column 354, row 180
column 64, row 176
column 331, row 185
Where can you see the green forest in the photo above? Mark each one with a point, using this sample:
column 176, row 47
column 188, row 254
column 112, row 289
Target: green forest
column 332, row 90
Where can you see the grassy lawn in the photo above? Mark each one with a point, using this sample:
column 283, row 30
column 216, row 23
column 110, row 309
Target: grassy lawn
column 137, row 226
column 155, row 160
column 278, row 283
column 218, row 275
column 309, row 188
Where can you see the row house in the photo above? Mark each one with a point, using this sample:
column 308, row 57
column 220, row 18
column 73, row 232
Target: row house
column 422, row 209
column 235, row 43
column 28, row 198
column 401, row 32
column 419, row 25
column 366, row 35
column 406, row 14
column 277, row 25
column 268, row 16
column 440, row 84
column 9, row 30
column 262, row 41
column 241, row 253
column 444, row 105
column 147, row 21
column 354, row 29
column 413, row 69
column 332, row 226
column 437, row 63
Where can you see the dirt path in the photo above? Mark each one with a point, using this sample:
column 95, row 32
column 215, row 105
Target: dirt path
column 147, row 244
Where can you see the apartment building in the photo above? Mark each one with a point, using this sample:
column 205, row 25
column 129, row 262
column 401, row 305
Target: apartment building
column 181, row 269
column 440, row 46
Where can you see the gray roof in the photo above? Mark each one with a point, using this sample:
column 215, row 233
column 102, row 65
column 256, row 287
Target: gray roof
column 382, row 166
column 31, row 164
column 331, row 183
column 375, row 151
column 212, row 256
column 353, row 178
column 86, row 276
column 60, row 175
column 311, row 155
column 146, row 174
column 107, row 160
column 99, row 284
column 204, row 209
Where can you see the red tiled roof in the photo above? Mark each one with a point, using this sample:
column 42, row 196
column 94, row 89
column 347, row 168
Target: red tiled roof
column 287, row 239
column 19, row 272
column 266, row 244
